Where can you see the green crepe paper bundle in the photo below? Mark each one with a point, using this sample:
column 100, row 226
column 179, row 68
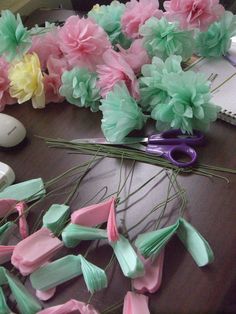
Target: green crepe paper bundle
column 163, row 39
column 56, row 217
column 26, row 303
column 28, row 190
column 109, row 18
column 190, row 105
column 121, row 114
column 73, row 234
column 79, row 88
column 5, row 231
column 216, row 41
column 152, row 90
column 151, row 243
column 66, row 268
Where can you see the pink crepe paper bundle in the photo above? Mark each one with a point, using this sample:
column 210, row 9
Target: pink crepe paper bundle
column 45, row 295
column 6, row 253
column 135, row 303
column 35, row 251
column 97, row 214
column 71, row 307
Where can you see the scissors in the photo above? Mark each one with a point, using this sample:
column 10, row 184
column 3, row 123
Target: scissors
column 168, row 144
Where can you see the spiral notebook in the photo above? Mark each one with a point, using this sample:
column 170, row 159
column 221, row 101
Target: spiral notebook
column 222, row 73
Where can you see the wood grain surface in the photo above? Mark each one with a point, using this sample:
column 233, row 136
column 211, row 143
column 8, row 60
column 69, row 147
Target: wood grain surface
column 211, row 209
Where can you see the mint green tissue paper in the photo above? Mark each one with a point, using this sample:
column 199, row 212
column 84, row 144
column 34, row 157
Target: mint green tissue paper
column 56, row 217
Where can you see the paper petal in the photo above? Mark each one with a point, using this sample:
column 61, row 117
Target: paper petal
column 4, row 309
column 94, row 277
column 26, row 303
column 45, row 295
column 112, row 231
column 56, row 217
column 150, row 243
column 5, row 232
column 135, row 303
column 92, row 215
column 73, row 234
column 55, row 273
column 23, row 226
column 194, row 242
column 5, row 253
column 7, row 206
column 70, row 307
column 35, row 250
column 130, row 263
column 152, row 278
column 27, row 190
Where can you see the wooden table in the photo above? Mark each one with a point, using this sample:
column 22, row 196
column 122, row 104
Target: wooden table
column 211, row 209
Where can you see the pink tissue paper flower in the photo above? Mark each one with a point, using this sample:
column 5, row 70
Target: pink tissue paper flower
column 5, row 98
column 151, row 280
column 72, row 306
column 97, row 214
column 136, row 14
column 194, row 13
column 136, row 56
column 83, row 42
column 113, row 70
column 35, row 251
column 135, row 303
column 46, row 45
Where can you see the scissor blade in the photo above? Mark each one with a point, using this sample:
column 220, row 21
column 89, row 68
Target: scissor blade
column 103, row 141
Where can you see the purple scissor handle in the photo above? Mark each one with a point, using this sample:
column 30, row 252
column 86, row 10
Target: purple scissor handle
column 171, row 143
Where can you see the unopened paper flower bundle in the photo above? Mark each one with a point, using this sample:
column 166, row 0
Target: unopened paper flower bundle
column 125, row 60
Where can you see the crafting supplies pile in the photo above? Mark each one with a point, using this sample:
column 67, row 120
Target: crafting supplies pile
column 125, row 60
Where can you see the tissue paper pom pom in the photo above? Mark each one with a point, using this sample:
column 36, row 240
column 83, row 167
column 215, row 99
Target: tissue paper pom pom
column 26, row 81
column 83, row 42
column 216, row 41
column 114, row 70
column 5, row 98
column 79, row 88
column 136, row 55
column 121, row 114
column 194, row 13
column 163, row 39
column 190, row 107
column 15, row 39
column 152, row 90
column 109, row 18
column 46, row 45
column 136, row 14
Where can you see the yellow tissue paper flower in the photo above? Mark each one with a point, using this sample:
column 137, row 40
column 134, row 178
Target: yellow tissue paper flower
column 26, row 81
column 96, row 7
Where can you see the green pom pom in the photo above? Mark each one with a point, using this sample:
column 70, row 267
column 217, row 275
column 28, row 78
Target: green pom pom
column 163, row 39
column 216, row 41
column 121, row 114
column 14, row 37
column 152, row 90
column 190, row 107
column 79, row 88
column 109, row 18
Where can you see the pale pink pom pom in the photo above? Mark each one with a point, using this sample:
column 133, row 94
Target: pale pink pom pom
column 194, row 13
column 136, row 14
column 5, row 98
column 52, row 80
column 83, row 42
column 136, row 56
column 46, row 45
column 113, row 70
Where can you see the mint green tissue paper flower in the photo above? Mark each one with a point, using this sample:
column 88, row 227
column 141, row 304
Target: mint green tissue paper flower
column 216, row 41
column 14, row 37
column 121, row 114
column 190, row 106
column 162, row 39
column 152, row 90
column 109, row 18
column 79, row 88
